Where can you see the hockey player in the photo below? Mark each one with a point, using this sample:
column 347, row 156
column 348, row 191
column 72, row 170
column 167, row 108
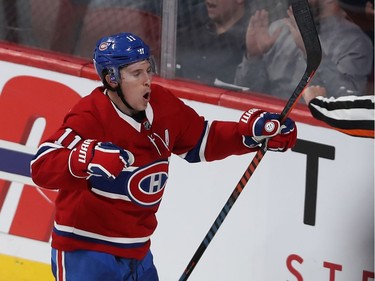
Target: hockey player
column 109, row 160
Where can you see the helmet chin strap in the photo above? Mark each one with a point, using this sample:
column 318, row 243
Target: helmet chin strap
column 138, row 116
column 121, row 96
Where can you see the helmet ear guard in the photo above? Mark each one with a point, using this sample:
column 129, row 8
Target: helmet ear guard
column 111, row 83
column 114, row 75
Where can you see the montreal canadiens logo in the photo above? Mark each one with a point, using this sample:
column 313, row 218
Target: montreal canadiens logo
column 269, row 127
column 103, row 46
column 146, row 186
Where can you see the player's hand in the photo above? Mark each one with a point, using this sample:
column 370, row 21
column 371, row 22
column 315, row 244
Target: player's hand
column 311, row 92
column 258, row 126
column 100, row 159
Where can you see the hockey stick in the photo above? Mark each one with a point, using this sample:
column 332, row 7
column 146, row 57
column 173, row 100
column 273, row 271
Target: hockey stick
column 311, row 41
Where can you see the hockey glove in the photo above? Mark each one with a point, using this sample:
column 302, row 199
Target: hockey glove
column 100, row 159
column 257, row 126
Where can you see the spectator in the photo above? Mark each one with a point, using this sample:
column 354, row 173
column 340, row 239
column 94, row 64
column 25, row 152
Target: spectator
column 369, row 9
column 278, row 52
column 352, row 115
column 361, row 12
column 212, row 49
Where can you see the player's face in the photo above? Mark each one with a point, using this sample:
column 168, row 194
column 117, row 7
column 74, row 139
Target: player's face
column 136, row 84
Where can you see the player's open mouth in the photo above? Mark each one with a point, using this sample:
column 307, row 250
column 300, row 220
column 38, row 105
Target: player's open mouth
column 146, row 96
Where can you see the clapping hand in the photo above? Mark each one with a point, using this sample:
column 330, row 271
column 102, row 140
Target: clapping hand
column 258, row 38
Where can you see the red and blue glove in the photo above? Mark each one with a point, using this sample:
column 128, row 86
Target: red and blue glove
column 100, row 159
column 258, row 126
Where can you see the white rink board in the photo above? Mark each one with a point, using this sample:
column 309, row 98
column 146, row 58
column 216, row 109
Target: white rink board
column 264, row 236
column 265, row 226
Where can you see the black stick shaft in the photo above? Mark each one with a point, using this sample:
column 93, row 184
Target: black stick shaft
column 223, row 213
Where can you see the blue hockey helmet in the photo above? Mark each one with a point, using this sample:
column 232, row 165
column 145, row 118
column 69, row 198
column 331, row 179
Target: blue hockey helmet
column 118, row 50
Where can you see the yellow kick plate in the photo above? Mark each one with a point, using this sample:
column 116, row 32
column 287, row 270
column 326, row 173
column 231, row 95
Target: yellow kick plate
column 18, row 269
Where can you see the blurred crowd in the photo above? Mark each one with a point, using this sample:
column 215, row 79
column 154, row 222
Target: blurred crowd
column 251, row 45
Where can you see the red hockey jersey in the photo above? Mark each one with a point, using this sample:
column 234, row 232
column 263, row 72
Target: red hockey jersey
column 118, row 217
